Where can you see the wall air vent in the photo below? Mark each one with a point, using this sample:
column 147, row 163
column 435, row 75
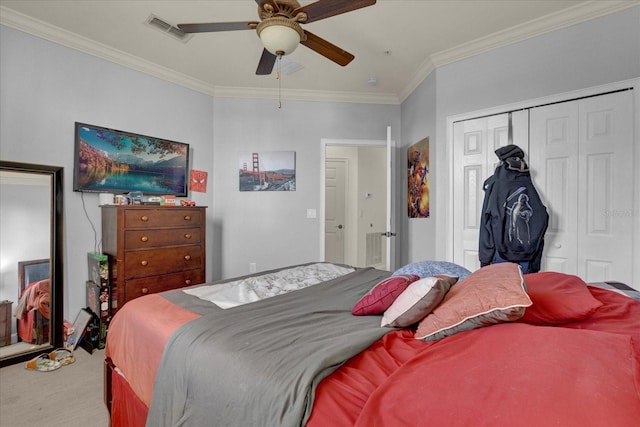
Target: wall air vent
column 171, row 30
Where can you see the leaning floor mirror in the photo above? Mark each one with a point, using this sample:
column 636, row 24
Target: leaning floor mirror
column 31, row 260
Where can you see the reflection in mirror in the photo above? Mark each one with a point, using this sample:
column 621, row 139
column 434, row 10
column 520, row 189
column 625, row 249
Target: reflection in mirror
column 30, row 260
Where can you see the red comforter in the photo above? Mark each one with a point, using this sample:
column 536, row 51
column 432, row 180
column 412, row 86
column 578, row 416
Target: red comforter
column 584, row 373
column 577, row 373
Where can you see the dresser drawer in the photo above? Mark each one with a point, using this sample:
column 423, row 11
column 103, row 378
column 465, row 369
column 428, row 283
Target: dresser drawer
column 138, row 287
column 162, row 261
column 153, row 238
column 145, row 218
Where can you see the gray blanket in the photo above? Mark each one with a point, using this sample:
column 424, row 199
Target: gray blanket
column 259, row 364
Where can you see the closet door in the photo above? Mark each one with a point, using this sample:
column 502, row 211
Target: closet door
column 582, row 158
column 474, row 160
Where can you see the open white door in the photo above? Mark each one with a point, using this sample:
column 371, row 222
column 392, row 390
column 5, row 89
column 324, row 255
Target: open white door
column 390, row 232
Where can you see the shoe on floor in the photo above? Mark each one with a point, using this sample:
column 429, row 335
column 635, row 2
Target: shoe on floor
column 42, row 363
column 62, row 355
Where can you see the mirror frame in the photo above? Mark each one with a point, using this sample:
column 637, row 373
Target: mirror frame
column 57, row 257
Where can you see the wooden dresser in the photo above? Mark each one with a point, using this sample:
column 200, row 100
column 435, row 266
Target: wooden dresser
column 153, row 249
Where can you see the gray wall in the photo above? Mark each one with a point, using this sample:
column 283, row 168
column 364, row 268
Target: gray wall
column 45, row 88
column 271, row 228
column 600, row 51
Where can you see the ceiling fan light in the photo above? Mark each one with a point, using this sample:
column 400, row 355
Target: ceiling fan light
column 280, row 36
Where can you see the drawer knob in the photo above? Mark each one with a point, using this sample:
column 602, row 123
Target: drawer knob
column 144, row 263
column 187, row 236
column 144, row 218
column 145, row 290
column 187, row 217
column 144, row 238
column 187, row 282
column 187, row 257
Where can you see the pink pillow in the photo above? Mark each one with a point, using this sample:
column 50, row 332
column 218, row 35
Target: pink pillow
column 493, row 294
column 382, row 295
column 418, row 300
column 558, row 298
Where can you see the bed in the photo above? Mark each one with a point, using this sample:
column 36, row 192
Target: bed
column 431, row 344
column 34, row 304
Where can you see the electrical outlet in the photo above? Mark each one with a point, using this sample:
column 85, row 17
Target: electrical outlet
column 252, row 267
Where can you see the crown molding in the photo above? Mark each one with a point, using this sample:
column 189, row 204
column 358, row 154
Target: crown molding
column 571, row 16
column 66, row 38
column 546, row 24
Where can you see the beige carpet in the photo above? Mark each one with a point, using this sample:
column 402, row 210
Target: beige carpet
column 67, row 397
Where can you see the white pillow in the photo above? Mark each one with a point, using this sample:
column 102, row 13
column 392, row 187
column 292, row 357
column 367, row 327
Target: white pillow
column 418, row 300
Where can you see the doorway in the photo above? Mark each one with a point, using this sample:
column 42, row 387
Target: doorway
column 354, row 213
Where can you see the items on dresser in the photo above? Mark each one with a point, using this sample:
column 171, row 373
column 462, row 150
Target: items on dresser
column 153, row 249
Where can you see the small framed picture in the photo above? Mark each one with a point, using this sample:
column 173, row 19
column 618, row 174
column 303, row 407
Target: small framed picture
column 80, row 325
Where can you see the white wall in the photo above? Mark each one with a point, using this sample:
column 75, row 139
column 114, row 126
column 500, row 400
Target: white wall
column 596, row 52
column 371, row 210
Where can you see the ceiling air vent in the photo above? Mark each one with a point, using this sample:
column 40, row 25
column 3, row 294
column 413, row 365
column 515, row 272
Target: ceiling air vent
column 171, row 30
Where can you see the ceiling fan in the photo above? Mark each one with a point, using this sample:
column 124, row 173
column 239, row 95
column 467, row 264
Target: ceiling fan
column 280, row 31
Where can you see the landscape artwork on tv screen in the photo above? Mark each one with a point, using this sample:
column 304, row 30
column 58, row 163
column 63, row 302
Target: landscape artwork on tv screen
column 108, row 160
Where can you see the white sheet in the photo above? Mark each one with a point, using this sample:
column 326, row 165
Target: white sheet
column 251, row 289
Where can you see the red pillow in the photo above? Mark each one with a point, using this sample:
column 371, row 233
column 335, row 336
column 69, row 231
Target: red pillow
column 382, row 295
column 558, row 298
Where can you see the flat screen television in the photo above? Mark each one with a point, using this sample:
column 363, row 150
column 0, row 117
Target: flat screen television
column 114, row 161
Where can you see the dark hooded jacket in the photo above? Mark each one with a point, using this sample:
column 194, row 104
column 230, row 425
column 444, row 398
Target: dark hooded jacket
column 514, row 220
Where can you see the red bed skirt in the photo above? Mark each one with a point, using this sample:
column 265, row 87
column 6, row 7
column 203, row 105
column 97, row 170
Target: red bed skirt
column 127, row 410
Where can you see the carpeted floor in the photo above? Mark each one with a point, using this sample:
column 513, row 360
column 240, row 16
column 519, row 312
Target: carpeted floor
column 67, row 397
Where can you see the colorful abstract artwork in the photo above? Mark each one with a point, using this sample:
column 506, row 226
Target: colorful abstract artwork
column 418, row 179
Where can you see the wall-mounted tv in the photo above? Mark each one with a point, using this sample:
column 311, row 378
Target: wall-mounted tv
column 113, row 161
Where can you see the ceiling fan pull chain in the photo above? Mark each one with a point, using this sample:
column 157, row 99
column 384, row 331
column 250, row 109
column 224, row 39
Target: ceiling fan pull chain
column 279, row 59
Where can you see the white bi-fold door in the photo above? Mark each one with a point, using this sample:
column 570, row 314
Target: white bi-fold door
column 474, row 160
column 582, row 152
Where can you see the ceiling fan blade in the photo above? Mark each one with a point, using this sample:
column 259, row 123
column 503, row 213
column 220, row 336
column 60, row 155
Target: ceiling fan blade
column 209, row 27
column 267, row 61
column 326, row 8
column 326, row 49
